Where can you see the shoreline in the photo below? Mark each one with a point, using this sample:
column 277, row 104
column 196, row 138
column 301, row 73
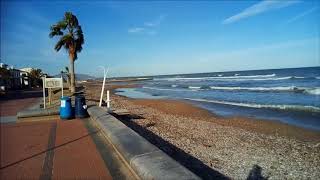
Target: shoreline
column 265, row 126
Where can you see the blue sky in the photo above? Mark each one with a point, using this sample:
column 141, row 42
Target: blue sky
column 157, row 37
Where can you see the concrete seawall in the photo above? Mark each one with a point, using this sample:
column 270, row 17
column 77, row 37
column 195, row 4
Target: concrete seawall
column 148, row 161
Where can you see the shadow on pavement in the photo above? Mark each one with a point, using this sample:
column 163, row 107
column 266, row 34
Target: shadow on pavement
column 50, row 148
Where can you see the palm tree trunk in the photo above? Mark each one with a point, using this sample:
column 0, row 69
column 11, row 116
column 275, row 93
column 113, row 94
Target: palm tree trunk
column 72, row 76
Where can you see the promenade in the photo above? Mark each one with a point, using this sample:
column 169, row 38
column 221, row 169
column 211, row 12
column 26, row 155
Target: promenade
column 49, row 148
column 16, row 101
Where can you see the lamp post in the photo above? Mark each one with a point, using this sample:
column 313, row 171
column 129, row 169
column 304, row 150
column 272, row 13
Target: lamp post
column 44, row 91
column 103, row 84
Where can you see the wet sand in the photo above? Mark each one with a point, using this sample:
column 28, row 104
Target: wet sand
column 185, row 109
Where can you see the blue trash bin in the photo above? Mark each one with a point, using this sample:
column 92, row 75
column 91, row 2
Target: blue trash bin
column 80, row 107
column 66, row 108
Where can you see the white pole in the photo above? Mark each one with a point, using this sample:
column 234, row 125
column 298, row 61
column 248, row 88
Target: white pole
column 61, row 86
column 103, row 84
column 44, row 92
column 108, row 99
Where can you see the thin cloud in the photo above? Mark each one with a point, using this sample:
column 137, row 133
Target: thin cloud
column 155, row 22
column 260, row 49
column 152, row 32
column 258, row 8
column 301, row 15
column 136, row 30
column 148, row 27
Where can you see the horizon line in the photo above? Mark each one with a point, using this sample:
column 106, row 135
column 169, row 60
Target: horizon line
column 212, row 72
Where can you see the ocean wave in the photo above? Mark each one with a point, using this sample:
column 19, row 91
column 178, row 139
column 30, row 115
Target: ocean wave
column 267, row 106
column 312, row 91
column 164, row 89
column 219, row 76
column 290, row 88
column 194, row 87
column 231, row 78
column 236, row 76
column 266, row 79
column 306, row 90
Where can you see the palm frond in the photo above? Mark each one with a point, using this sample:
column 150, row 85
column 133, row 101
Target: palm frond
column 71, row 34
column 64, row 41
column 55, row 31
column 62, row 25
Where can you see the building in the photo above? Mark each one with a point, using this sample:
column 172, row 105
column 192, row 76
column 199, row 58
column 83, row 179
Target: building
column 17, row 78
column 3, row 65
column 25, row 79
column 28, row 69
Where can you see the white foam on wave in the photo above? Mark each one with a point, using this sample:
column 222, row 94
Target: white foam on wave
column 265, row 79
column 194, row 87
column 273, row 106
column 285, row 88
column 307, row 90
column 164, row 89
column 228, row 78
column 313, row 91
column 236, row 76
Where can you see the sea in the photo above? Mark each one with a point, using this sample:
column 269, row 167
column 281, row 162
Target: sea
column 291, row 96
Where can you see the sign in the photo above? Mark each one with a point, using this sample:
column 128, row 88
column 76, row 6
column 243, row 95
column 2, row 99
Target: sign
column 53, row 82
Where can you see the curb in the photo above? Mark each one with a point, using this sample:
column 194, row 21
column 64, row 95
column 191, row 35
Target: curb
column 148, row 161
column 37, row 112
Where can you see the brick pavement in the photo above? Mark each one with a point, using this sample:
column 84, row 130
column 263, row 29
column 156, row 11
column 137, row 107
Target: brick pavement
column 71, row 154
column 84, row 161
column 18, row 143
column 11, row 107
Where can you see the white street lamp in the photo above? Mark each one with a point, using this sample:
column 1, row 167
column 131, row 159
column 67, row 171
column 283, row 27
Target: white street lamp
column 103, row 84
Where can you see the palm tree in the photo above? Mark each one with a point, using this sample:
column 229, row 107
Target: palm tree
column 35, row 77
column 71, row 38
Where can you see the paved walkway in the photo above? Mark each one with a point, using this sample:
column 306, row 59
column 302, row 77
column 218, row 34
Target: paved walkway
column 15, row 102
column 50, row 150
column 11, row 107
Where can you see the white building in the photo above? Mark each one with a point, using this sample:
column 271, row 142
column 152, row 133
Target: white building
column 27, row 69
column 18, row 79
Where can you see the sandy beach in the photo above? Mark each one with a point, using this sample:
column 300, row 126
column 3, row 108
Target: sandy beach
column 235, row 147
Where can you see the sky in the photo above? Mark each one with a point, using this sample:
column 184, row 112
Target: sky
column 142, row 38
